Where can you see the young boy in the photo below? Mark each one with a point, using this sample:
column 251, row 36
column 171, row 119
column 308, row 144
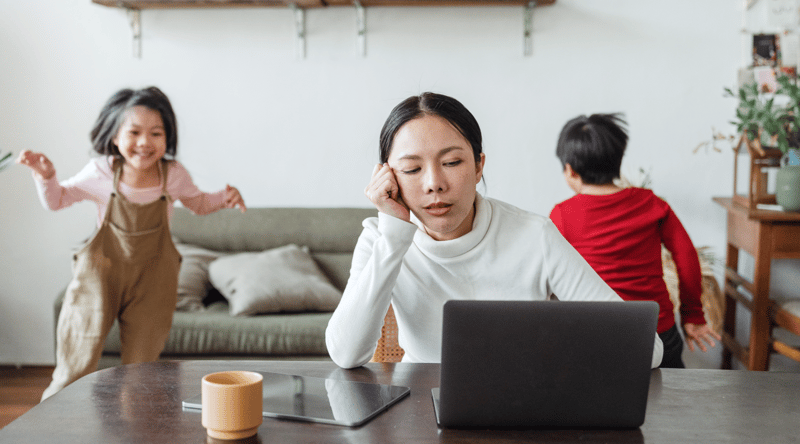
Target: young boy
column 619, row 231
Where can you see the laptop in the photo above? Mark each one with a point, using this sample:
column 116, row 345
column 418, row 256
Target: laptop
column 545, row 364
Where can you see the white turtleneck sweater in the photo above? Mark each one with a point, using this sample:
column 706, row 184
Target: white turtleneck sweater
column 509, row 254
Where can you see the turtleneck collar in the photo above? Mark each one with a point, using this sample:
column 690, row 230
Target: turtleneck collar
column 456, row 247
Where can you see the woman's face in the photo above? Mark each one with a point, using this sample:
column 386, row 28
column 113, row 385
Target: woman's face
column 437, row 175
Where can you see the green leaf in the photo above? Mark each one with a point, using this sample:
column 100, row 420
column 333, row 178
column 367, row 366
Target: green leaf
column 5, row 161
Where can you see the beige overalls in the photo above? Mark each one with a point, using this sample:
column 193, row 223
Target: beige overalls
column 129, row 271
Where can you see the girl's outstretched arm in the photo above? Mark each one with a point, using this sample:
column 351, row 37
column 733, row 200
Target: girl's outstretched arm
column 233, row 198
column 92, row 183
column 37, row 162
column 182, row 188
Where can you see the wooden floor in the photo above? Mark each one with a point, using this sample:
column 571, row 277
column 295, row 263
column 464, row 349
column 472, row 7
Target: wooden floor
column 20, row 390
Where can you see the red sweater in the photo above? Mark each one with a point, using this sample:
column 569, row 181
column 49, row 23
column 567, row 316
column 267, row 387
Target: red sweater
column 620, row 235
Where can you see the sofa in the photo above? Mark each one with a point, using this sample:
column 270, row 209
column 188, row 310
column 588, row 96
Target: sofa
column 237, row 244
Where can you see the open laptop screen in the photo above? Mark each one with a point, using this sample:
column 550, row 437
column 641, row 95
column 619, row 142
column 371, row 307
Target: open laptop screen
column 551, row 364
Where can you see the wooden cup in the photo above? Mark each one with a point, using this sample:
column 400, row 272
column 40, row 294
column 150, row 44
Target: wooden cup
column 232, row 404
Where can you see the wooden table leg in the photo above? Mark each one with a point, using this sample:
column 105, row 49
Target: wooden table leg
column 729, row 322
column 760, row 322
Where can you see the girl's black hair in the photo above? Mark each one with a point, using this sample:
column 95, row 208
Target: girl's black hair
column 430, row 103
column 111, row 117
column 593, row 146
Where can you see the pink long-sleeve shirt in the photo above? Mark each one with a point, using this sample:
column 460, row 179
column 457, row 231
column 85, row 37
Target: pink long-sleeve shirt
column 95, row 182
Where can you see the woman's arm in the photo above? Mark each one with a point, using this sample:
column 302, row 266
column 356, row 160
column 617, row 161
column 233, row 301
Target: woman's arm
column 572, row 278
column 569, row 275
column 355, row 327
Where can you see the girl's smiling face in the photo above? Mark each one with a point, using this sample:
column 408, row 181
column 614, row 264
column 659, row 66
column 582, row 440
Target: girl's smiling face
column 141, row 138
column 437, row 175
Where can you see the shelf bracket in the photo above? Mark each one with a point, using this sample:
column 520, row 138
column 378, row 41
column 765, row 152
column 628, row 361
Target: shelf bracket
column 300, row 31
column 528, row 32
column 361, row 26
column 135, row 19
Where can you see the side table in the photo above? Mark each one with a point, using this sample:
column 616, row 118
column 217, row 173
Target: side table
column 766, row 235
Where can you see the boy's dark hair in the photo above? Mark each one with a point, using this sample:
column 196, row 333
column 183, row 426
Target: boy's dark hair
column 111, row 117
column 430, row 103
column 593, row 146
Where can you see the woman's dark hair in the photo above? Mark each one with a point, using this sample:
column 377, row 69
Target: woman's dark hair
column 430, row 103
column 111, row 117
column 593, row 146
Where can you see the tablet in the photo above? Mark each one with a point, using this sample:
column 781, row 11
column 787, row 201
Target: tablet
column 329, row 401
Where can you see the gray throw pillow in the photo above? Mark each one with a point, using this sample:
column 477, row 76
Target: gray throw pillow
column 193, row 281
column 280, row 279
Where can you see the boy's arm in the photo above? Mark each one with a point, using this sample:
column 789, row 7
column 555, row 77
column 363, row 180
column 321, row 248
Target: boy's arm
column 690, row 285
column 677, row 241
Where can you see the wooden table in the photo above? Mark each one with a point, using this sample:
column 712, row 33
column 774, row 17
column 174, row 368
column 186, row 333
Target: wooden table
column 141, row 403
column 766, row 235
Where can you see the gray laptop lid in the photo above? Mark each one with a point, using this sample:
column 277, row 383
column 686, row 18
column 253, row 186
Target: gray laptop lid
column 545, row 364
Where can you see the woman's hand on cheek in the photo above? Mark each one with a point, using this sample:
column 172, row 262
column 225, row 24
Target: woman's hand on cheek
column 384, row 192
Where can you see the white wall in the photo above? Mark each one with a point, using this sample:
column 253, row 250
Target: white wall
column 292, row 132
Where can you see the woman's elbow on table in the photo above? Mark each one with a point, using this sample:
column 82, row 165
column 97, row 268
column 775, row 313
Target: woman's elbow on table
column 345, row 357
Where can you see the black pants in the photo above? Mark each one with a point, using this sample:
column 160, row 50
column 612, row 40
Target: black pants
column 673, row 347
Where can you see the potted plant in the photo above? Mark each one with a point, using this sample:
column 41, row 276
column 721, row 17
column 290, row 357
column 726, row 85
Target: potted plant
column 770, row 126
column 790, row 118
column 757, row 117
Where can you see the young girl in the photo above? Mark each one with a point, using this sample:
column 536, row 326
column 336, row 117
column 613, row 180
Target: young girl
column 620, row 231
column 436, row 239
column 129, row 269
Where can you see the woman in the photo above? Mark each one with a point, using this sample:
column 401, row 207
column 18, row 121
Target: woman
column 436, row 239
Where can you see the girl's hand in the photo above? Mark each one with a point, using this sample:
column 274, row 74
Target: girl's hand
column 38, row 162
column 384, row 193
column 696, row 334
column 233, row 198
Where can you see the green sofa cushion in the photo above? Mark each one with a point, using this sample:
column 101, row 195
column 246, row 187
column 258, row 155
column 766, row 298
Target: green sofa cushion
column 215, row 332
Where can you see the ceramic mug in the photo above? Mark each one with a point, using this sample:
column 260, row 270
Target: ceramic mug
column 232, row 404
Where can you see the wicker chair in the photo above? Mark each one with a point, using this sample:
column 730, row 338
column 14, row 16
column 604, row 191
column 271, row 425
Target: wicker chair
column 388, row 349
column 712, row 298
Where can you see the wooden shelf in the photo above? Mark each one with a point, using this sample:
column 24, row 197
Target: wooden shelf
column 134, row 8
column 186, row 4
column 179, row 4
